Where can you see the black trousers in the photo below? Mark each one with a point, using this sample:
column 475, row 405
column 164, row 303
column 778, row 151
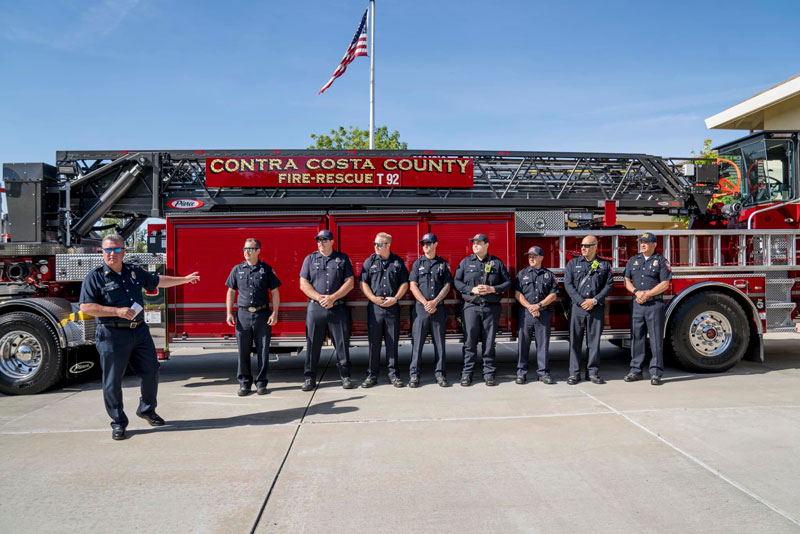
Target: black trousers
column 250, row 327
column 480, row 324
column 436, row 324
column 383, row 324
column 335, row 321
column 529, row 325
column 648, row 318
column 117, row 348
column 591, row 323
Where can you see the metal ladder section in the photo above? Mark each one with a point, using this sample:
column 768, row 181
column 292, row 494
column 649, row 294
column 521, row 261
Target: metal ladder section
column 713, row 253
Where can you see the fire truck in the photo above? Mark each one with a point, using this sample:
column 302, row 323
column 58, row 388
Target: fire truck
column 735, row 270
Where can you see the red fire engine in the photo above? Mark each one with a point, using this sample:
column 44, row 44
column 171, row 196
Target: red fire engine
column 736, row 272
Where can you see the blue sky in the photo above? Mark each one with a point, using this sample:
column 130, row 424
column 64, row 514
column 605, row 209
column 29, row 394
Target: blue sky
column 570, row 76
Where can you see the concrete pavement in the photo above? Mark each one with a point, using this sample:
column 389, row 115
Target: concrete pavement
column 717, row 453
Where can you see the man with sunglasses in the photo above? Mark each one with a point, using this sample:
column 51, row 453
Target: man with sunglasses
column 255, row 281
column 588, row 279
column 481, row 279
column 430, row 281
column 647, row 276
column 113, row 294
column 326, row 278
column 535, row 289
column 384, row 281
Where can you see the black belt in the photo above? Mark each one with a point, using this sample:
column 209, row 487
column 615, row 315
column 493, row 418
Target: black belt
column 124, row 324
column 340, row 301
column 253, row 309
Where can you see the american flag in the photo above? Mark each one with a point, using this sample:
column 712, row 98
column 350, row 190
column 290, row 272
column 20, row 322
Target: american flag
column 358, row 47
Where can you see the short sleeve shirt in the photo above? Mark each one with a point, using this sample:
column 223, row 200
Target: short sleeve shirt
column 647, row 273
column 253, row 283
column 326, row 273
column 535, row 284
column 107, row 287
column 431, row 275
column 384, row 276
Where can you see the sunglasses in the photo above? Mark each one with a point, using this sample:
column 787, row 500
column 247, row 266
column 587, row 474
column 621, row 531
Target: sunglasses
column 323, row 240
column 250, row 249
column 379, row 245
column 588, row 245
column 427, row 243
column 115, row 250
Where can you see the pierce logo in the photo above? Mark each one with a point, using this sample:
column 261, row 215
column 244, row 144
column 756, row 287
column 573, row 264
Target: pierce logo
column 81, row 367
column 185, row 204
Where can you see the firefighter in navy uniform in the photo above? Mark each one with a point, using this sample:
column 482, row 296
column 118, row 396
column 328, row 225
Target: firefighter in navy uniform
column 535, row 289
column 384, row 281
column 647, row 276
column 481, row 279
column 113, row 294
column 255, row 281
column 326, row 278
column 430, row 280
column 588, row 280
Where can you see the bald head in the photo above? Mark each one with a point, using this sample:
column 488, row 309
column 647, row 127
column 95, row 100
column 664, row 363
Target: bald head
column 589, row 247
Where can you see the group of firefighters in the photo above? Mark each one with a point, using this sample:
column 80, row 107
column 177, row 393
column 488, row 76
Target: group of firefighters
column 112, row 293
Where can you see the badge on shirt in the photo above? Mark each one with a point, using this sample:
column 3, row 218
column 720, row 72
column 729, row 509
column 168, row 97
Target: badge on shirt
column 133, row 275
column 526, row 277
column 635, row 263
column 396, row 263
column 421, row 267
column 547, row 276
column 337, row 260
column 487, row 268
column 655, row 263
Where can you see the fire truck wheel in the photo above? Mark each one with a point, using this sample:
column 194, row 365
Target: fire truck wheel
column 30, row 358
column 709, row 333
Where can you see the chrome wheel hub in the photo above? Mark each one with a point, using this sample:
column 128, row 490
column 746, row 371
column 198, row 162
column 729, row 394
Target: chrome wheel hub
column 20, row 355
column 710, row 334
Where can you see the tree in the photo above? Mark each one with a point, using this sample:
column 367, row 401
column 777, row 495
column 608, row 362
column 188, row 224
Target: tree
column 708, row 156
column 354, row 138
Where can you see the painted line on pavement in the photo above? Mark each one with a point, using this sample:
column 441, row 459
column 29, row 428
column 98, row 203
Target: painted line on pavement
column 699, row 462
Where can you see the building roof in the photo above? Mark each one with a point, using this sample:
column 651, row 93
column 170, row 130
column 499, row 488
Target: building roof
column 777, row 108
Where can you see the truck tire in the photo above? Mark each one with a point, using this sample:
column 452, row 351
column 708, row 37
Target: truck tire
column 30, row 357
column 710, row 333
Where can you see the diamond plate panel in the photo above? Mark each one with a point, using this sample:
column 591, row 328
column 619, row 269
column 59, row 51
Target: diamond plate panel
column 75, row 267
column 539, row 221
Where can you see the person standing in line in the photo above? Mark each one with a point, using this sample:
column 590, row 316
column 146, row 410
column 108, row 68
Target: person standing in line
column 588, row 279
column 430, row 281
column 255, row 281
column 326, row 278
column 535, row 289
column 384, row 281
column 647, row 276
column 481, row 279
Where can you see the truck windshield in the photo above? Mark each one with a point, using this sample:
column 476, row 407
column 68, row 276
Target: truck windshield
column 760, row 172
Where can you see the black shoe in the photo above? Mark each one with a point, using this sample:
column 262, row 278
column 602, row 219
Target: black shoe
column 442, row 381
column 490, row 381
column 261, row 390
column 153, row 418
column 655, row 381
column 547, row 379
column 368, row 382
column 466, row 381
column 414, row 382
column 572, row 380
column 396, row 382
column 347, row 383
column 521, row 379
column 633, row 377
column 309, row 384
column 243, row 391
column 118, row 433
column 596, row 379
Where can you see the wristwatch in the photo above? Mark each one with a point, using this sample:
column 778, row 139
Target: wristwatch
column 594, row 301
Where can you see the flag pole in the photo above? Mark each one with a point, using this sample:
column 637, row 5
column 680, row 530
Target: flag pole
column 372, row 76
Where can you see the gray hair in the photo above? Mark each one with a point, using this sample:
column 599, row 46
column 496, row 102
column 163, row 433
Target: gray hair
column 116, row 238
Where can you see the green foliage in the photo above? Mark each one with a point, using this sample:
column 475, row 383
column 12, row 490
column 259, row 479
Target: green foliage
column 354, row 138
column 707, row 155
column 135, row 243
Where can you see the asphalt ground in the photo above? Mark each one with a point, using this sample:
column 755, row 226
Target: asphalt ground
column 703, row 452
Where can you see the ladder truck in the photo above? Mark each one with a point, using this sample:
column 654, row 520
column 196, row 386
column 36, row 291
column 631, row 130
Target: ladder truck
column 736, row 270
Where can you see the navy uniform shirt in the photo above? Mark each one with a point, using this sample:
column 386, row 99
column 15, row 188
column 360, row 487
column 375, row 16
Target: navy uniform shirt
column 473, row 272
column 384, row 276
column 326, row 273
column 582, row 281
column 253, row 282
column 430, row 275
column 536, row 284
column 647, row 273
column 106, row 287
